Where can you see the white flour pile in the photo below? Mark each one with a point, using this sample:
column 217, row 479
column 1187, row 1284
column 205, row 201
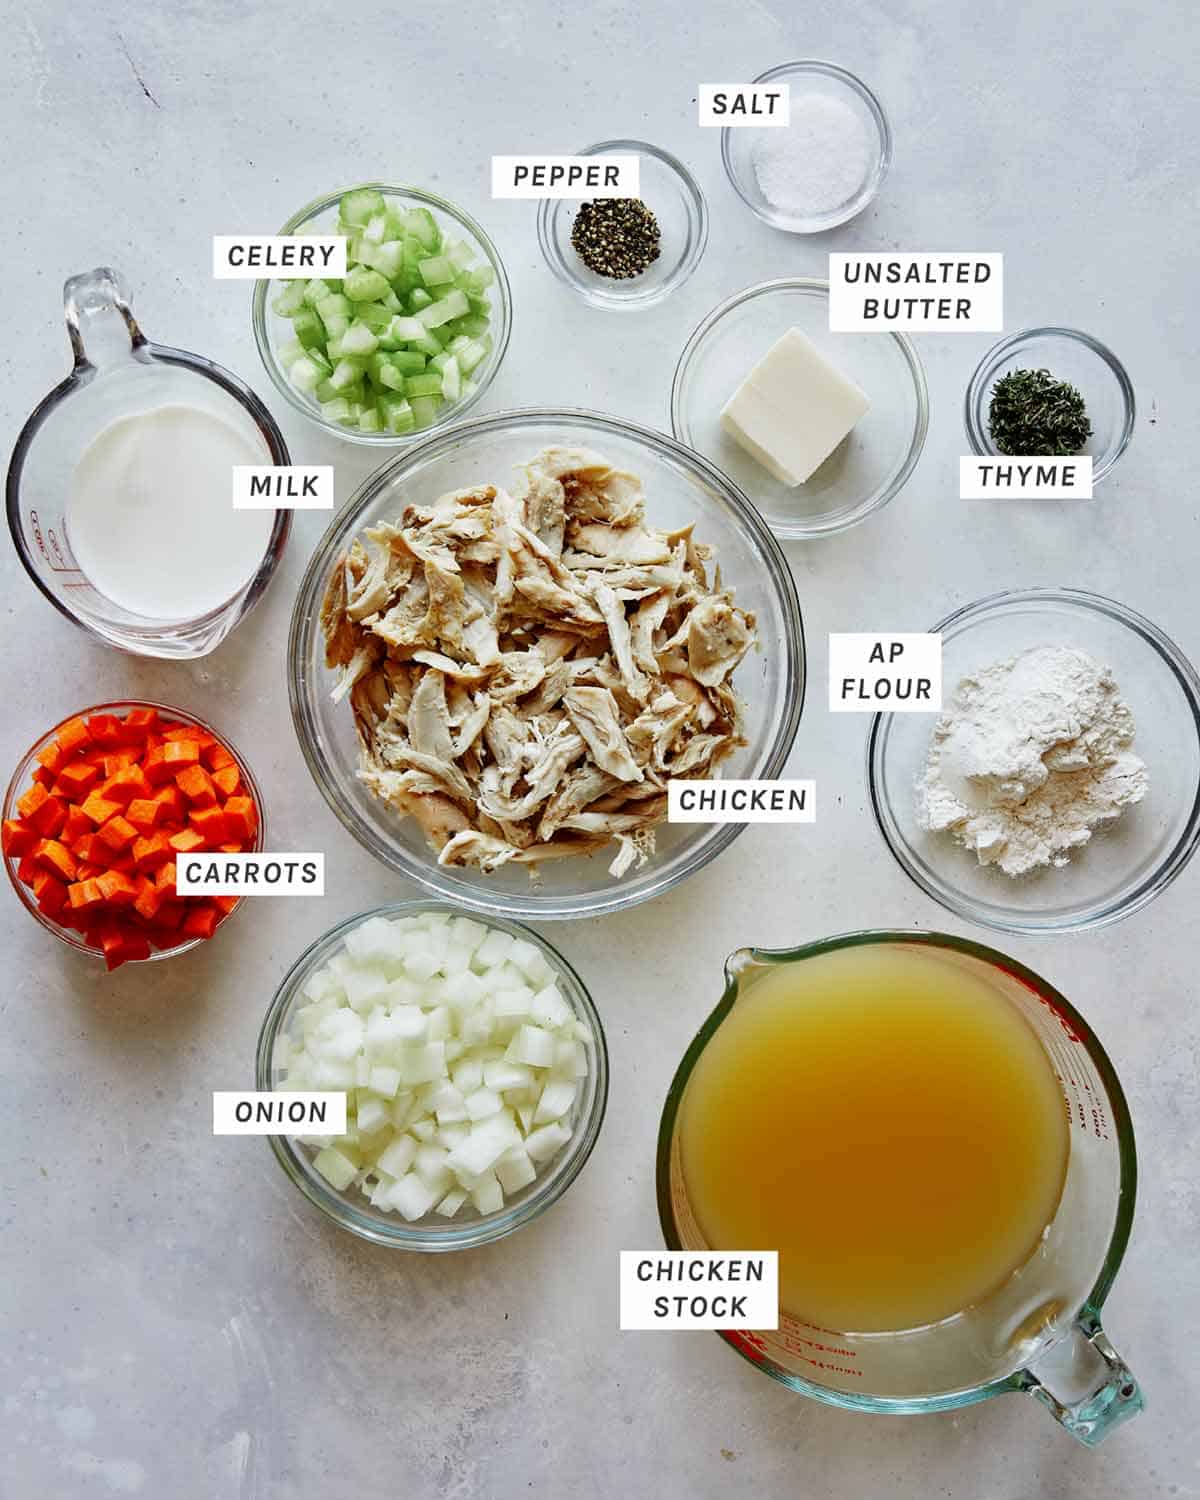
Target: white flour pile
column 1029, row 757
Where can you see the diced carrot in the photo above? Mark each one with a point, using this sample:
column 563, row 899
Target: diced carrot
column 227, row 779
column 100, row 808
column 192, row 732
column 88, row 871
column 241, row 818
column 118, row 833
column 224, row 904
column 85, row 895
column 217, row 758
column 121, row 943
column 27, row 869
column 118, row 889
column 32, row 800
column 78, row 823
column 156, row 768
column 165, row 879
column 140, row 721
column 149, row 899
column 170, row 914
column 50, row 892
column 144, row 813
column 231, row 848
column 45, row 778
column 186, row 841
column 56, row 859
column 92, row 848
column 73, row 736
column 180, row 753
column 172, row 802
column 209, row 823
column 126, row 784
column 75, row 779
column 154, row 741
column 104, row 729
column 151, row 852
column 18, row 837
column 52, row 757
column 201, row 921
column 51, row 817
column 197, row 786
column 117, row 760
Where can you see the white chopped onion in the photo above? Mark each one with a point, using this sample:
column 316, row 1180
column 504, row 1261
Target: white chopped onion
column 460, row 1057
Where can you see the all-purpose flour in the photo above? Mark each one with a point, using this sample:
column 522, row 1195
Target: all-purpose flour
column 1030, row 756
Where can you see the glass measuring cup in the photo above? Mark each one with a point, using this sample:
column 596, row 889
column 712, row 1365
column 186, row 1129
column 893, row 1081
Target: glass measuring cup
column 118, row 371
column 1040, row 1331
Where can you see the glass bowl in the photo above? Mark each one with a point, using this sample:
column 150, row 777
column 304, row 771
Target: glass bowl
column 811, row 77
column 271, row 331
column 349, row 1208
column 1123, row 867
column 1095, row 371
column 670, row 191
column 681, row 488
column 22, row 778
column 865, row 471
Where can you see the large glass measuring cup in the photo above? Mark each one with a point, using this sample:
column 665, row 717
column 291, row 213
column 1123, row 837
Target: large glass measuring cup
column 117, row 371
column 1039, row 1332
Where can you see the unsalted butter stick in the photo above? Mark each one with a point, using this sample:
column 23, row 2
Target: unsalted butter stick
column 793, row 409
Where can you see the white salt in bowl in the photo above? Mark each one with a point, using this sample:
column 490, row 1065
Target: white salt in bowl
column 823, row 81
column 1124, row 866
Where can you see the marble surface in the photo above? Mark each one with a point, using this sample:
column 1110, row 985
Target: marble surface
column 173, row 1318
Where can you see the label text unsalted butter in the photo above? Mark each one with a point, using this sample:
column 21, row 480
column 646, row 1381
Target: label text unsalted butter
column 566, row 176
column 872, row 292
column 869, row 671
column 741, row 801
column 284, row 257
column 699, row 1289
column 1001, row 478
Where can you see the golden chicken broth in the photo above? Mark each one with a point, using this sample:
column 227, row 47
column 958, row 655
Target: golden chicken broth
column 889, row 1123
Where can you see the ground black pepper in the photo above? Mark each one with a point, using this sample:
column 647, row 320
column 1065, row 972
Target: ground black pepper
column 1031, row 414
column 616, row 237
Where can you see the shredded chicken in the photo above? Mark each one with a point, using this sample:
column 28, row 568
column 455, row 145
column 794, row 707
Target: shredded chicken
column 528, row 669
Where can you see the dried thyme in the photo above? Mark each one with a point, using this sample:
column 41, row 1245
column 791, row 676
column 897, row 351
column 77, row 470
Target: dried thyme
column 616, row 237
column 1031, row 414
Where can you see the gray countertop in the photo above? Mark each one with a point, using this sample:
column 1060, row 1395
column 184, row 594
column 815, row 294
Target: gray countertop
column 175, row 1319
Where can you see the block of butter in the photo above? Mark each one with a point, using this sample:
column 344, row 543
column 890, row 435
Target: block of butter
column 793, row 409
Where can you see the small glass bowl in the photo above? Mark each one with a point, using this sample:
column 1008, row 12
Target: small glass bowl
column 22, row 779
column 672, row 194
column 1095, row 371
column 810, row 77
column 1124, row 866
column 681, row 488
column 865, row 471
column 271, row 330
column 349, row 1208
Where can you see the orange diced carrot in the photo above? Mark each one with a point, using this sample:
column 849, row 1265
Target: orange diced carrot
column 186, row 841
column 149, row 899
column 201, row 921
column 18, row 838
column 84, row 895
column 231, row 848
column 224, row 904
column 52, row 757
column 197, row 786
column 151, row 852
column 209, row 823
column 73, row 736
column 56, row 859
column 140, row 721
column 51, row 817
column 240, row 818
column 172, row 802
column 118, row 833
column 121, row 943
column 100, row 808
column 91, row 847
column 88, row 871
column 118, row 889
column 180, row 753
column 78, row 823
column 75, row 778
column 165, row 879
column 126, row 784
column 50, row 892
column 217, row 758
column 32, row 800
column 193, row 732
column 117, row 760
column 155, row 767
column 170, row 914
column 27, row 869
column 144, row 813
column 104, row 729
column 45, row 778
column 227, row 779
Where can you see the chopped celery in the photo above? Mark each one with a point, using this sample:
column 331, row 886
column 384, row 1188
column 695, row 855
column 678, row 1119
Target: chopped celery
column 397, row 413
column 289, row 353
column 290, row 300
column 387, row 259
column 437, row 313
column 376, row 228
column 326, row 391
column 318, row 359
column 347, row 372
column 334, row 305
column 406, row 329
column 359, row 340
column 419, row 298
column 374, row 314
column 423, row 385
column 364, row 285
column 360, row 205
column 436, row 270
column 304, row 375
column 337, row 411
column 459, row 255
column 419, row 222
column 424, row 410
column 369, row 420
column 308, row 328
column 408, row 361
column 316, row 291
column 451, row 380
column 469, row 357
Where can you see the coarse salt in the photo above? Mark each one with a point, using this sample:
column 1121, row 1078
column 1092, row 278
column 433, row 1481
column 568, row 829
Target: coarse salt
column 818, row 162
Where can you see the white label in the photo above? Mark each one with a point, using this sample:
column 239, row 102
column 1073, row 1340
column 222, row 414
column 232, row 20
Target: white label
column 878, row 291
column 699, row 1289
column 566, row 176
column 285, row 257
column 759, row 104
column 284, row 1112
column 250, row 874
column 873, row 673
column 741, row 801
column 1003, row 478
column 283, row 486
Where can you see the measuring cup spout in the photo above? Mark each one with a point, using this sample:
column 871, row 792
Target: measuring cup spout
column 1084, row 1383
column 92, row 295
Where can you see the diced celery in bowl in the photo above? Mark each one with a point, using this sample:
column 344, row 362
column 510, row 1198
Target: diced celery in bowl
column 468, row 1064
column 398, row 340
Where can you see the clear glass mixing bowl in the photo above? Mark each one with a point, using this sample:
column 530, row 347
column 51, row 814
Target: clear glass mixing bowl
column 681, row 488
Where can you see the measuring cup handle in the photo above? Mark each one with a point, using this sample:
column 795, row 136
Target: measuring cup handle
column 95, row 294
column 1084, row 1383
